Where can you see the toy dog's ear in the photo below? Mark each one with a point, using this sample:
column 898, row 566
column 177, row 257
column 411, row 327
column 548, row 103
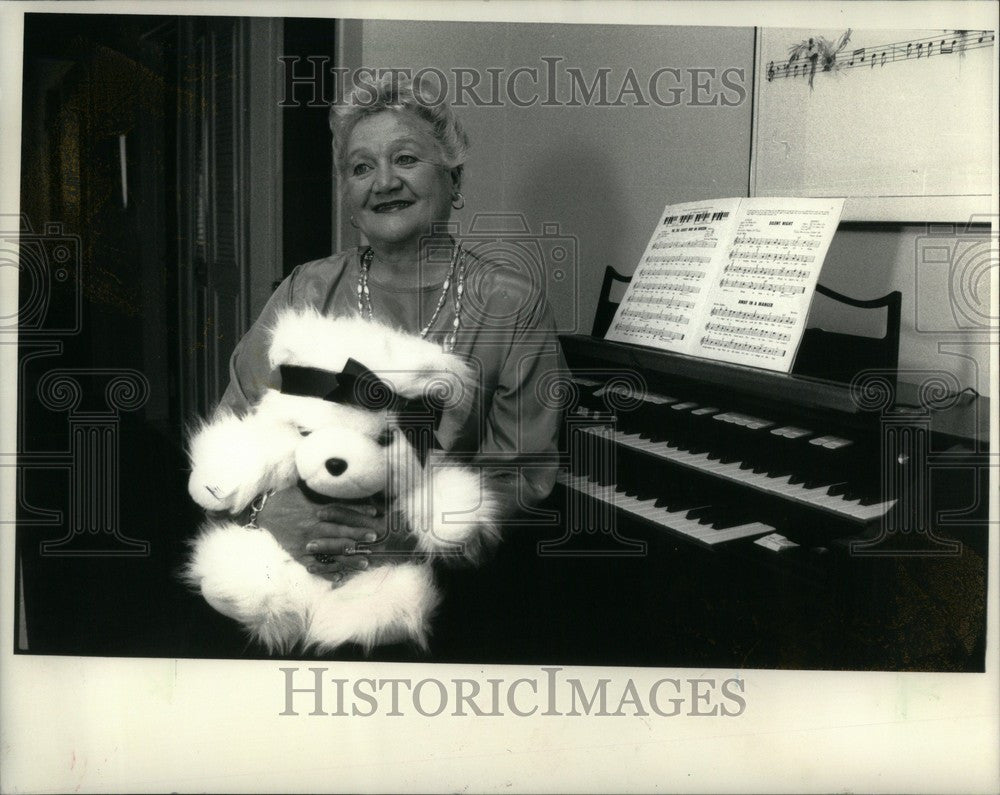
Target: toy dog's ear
column 233, row 459
column 306, row 337
column 302, row 336
column 290, row 331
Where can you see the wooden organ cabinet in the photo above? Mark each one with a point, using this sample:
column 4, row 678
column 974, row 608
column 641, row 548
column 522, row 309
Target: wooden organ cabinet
column 739, row 517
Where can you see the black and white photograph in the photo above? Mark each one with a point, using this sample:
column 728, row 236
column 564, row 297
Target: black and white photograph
column 477, row 396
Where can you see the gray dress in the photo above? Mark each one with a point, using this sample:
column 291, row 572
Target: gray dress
column 509, row 423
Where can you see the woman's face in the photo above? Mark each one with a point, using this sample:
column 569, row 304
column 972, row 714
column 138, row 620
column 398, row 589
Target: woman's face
column 396, row 182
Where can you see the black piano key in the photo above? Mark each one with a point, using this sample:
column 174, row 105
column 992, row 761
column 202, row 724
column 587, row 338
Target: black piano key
column 703, row 434
column 701, row 512
column 680, row 501
column 668, row 425
column 646, row 493
column 728, row 516
column 785, row 460
column 632, row 421
column 833, row 467
column 758, row 450
column 813, row 467
column 692, row 427
column 741, row 452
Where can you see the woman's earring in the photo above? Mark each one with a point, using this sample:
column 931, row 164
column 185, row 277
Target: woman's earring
column 458, row 201
column 354, row 223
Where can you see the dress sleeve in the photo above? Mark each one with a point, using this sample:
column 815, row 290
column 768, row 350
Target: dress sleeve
column 249, row 367
column 520, row 446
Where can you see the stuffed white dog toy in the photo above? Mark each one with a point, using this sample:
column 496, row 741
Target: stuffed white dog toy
column 350, row 392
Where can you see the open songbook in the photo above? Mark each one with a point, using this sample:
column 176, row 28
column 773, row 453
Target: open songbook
column 729, row 279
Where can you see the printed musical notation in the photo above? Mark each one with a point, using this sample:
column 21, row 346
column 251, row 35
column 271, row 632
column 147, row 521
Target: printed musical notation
column 666, row 303
column 669, row 259
column 747, row 303
column 650, row 291
column 642, row 330
column 947, row 43
column 759, row 270
column 761, row 317
column 780, row 242
column 748, row 331
column 657, row 314
column 770, row 256
column 661, row 244
column 668, row 273
column 763, row 287
column 742, row 347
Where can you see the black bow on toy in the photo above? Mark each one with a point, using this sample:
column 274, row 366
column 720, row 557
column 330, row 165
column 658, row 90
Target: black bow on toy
column 356, row 385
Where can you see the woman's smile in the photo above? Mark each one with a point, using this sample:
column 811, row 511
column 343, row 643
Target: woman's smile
column 397, row 185
column 392, row 206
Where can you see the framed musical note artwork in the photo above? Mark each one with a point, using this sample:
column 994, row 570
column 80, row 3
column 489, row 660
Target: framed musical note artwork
column 897, row 121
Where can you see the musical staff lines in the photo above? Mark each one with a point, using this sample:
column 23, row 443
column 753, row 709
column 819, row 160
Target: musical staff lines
column 667, row 273
column 944, row 44
column 653, row 292
column 670, row 259
column 763, row 286
column 660, row 316
column 644, row 330
column 753, row 315
column 781, row 242
column 666, row 303
column 742, row 347
column 771, row 256
column 735, row 291
column 748, row 331
column 703, row 243
column 758, row 270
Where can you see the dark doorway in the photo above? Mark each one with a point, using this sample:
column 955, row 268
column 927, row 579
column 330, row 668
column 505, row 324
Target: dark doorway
column 105, row 337
column 307, row 154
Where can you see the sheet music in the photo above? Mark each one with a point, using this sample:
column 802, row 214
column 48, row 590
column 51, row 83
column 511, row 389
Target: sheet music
column 730, row 279
column 660, row 307
column 947, row 42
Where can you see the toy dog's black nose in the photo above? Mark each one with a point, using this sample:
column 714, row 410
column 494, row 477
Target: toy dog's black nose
column 336, row 466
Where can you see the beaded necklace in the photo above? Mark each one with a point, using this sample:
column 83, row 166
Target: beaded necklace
column 456, row 273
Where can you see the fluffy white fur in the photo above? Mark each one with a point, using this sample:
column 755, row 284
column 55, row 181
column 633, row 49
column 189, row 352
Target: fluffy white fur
column 233, row 459
column 307, row 338
column 457, row 516
column 381, row 605
column 247, row 575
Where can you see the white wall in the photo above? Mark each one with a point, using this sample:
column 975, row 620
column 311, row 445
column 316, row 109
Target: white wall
column 601, row 173
column 604, row 173
column 942, row 272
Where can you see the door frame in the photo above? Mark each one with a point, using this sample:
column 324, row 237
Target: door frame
column 258, row 202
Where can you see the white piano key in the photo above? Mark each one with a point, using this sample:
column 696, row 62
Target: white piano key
column 740, row 531
column 873, row 511
column 814, row 497
column 676, row 522
column 650, row 510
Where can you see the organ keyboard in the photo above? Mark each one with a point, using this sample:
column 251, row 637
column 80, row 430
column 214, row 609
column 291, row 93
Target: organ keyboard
column 719, row 515
column 728, row 456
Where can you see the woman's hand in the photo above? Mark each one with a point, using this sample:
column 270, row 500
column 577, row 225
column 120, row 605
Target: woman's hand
column 340, row 532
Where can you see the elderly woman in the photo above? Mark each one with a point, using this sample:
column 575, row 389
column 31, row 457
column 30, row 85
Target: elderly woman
column 400, row 157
